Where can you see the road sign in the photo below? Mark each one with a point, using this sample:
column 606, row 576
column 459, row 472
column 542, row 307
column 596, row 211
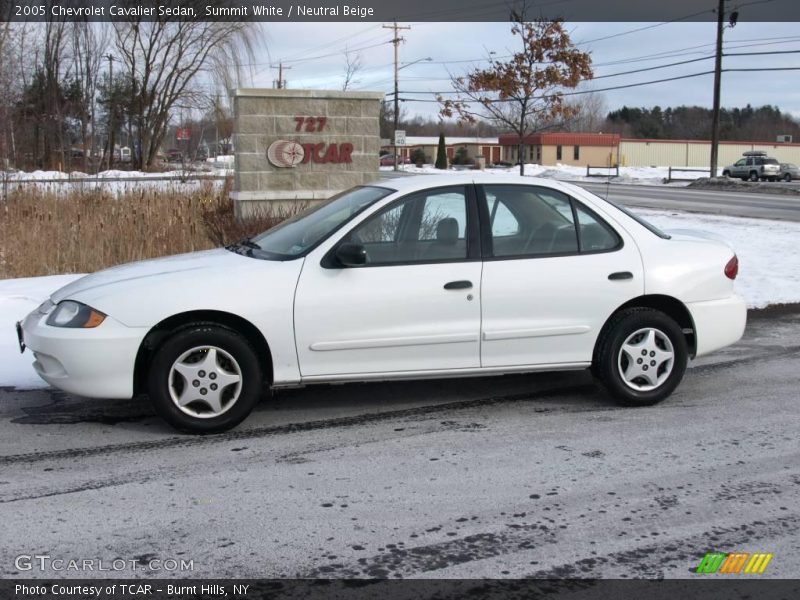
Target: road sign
column 182, row 133
column 399, row 138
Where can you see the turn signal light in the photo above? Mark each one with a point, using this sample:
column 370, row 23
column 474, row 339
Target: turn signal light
column 732, row 268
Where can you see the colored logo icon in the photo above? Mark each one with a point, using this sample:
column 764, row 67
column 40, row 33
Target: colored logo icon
column 734, row 563
column 285, row 154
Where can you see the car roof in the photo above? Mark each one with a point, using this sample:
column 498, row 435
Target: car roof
column 412, row 183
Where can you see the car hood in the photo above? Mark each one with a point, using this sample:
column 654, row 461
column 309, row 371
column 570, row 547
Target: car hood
column 142, row 272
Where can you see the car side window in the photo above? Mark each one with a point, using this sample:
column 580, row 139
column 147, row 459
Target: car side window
column 424, row 227
column 594, row 234
column 547, row 223
column 740, row 163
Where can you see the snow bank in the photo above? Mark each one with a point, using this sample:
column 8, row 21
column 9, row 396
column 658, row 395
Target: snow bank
column 18, row 297
column 561, row 172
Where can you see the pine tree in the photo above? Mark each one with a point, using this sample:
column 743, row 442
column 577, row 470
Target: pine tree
column 441, row 154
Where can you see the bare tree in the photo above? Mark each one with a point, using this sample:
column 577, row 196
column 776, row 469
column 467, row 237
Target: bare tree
column 6, row 79
column 524, row 93
column 162, row 60
column 89, row 40
column 587, row 113
column 353, row 63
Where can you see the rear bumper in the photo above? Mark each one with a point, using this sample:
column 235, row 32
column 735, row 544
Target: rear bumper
column 97, row 363
column 718, row 323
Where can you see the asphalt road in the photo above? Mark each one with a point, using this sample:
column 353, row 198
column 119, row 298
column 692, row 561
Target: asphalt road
column 493, row 477
column 737, row 204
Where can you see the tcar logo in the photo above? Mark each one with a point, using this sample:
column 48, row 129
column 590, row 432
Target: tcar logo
column 285, row 154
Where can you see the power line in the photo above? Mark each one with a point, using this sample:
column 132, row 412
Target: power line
column 617, row 87
column 664, row 66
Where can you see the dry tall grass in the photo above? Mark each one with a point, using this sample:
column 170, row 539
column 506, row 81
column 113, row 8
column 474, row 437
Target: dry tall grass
column 44, row 233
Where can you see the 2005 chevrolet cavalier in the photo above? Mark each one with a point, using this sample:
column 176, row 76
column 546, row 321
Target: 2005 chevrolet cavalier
column 441, row 276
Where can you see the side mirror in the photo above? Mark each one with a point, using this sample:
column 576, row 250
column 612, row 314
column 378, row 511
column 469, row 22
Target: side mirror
column 351, row 255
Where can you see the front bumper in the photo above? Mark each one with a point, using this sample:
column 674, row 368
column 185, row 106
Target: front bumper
column 97, row 363
column 718, row 323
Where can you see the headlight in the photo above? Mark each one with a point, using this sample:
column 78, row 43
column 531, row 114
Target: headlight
column 74, row 314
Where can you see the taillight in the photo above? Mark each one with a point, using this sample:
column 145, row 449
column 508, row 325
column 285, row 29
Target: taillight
column 732, row 268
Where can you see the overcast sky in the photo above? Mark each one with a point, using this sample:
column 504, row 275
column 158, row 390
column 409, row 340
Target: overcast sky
column 315, row 54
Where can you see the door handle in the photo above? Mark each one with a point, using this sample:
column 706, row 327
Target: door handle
column 619, row 275
column 458, row 285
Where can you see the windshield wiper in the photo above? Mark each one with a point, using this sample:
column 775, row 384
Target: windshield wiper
column 249, row 243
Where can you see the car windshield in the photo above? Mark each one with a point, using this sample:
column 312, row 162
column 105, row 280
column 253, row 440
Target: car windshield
column 296, row 236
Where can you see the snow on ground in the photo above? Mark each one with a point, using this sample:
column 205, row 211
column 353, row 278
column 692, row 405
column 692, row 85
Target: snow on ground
column 114, row 180
column 628, row 175
column 18, row 297
column 769, row 273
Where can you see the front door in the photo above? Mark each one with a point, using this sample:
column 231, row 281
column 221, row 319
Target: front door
column 413, row 307
column 556, row 273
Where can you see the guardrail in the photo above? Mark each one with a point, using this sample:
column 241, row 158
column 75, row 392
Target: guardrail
column 606, row 168
column 669, row 178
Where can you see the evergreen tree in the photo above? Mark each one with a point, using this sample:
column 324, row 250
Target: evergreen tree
column 441, row 154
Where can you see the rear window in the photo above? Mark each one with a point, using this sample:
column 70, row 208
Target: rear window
column 770, row 161
column 646, row 224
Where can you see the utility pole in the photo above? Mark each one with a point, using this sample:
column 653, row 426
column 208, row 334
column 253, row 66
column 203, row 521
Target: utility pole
column 280, row 84
column 396, row 41
column 112, row 110
column 717, row 83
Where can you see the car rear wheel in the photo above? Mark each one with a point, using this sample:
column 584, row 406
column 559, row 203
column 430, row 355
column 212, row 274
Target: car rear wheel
column 205, row 378
column 787, row 178
column 641, row 356
column 753, row 176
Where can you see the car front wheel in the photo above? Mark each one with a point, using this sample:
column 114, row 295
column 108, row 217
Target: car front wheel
column 641, row 356
column 205, row 378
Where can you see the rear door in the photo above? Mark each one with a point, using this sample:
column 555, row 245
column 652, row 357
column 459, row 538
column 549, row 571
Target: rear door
column 555, row 272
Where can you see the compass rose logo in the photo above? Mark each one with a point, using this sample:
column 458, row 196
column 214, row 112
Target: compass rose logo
column 283, row 153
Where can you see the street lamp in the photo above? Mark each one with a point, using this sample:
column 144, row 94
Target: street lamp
column 397, row 68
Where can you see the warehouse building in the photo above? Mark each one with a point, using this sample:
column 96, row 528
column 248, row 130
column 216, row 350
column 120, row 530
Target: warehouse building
column 608, row 150
column 597, row 149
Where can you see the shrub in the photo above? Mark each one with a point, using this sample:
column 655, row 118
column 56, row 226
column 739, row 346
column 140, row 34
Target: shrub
column 461, row 157
column 418, row 157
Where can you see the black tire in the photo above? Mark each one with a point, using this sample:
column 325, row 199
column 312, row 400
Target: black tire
column 607, row 364
column 787, row 178
column 753, row 176
column 726, row 173
column 236, row 355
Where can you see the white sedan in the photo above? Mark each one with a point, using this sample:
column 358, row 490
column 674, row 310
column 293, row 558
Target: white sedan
column 418, row 277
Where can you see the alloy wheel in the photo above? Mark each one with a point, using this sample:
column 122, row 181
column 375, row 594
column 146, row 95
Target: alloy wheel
column 205, row 382
column 646, row 359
